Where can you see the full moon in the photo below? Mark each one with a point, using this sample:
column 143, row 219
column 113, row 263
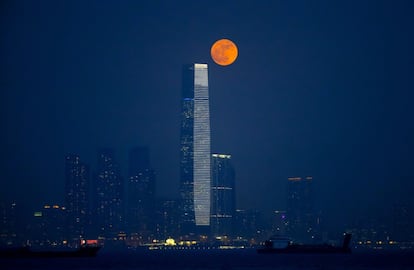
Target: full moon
column 224, row 52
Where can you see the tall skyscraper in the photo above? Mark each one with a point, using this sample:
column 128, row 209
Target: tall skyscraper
column 76, row 196
column 300, row 214
column 195, row 153
column 108, row 195
column 222, row 195
column 141, row 193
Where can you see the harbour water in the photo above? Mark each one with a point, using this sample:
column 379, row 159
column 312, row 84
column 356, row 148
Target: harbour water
column 220, row 259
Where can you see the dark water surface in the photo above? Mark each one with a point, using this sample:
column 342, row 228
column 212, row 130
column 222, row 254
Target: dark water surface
column 220, row 259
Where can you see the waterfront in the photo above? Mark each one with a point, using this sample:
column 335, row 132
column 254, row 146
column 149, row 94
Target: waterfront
column 246, row 259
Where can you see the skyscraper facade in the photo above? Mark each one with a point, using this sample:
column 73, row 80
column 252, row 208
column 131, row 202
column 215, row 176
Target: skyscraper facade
column 195, row 159
column 108, row 195
column 300, row 212
column 141, row 193
column 222, row 195
column 77, row 180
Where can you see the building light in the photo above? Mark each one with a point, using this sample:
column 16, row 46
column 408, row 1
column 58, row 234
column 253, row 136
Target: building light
column 221, row 156
column 170, row 242
column 200, row 65
column 37, row 214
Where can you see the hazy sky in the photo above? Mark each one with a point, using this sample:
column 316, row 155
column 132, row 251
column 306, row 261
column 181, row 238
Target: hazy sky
column 321, row 88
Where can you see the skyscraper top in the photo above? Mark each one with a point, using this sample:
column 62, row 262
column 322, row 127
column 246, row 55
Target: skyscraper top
column 200, row 65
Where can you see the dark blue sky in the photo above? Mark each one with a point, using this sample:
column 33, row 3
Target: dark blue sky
column 322, row 88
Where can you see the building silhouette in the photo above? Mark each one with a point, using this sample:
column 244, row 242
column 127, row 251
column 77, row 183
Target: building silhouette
column 47, row 227
column 9, row 235
column 141, row 194
column 222, row 195
column 249, row 225
column 167, row 222
column 300, row 213
column 108, row 196
column 279, row 222
column 195, row 153
column 401, row 227
column 77, row 181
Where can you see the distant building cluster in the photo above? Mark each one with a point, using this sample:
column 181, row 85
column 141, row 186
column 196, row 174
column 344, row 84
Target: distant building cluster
column 96, row 206
column 103, row 205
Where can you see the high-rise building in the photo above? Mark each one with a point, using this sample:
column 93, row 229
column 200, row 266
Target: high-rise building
column 401, row 223
column 108, row 196
column 167, row 222
column 300, row 212
column 222, row 195
column 195, row 153
column 279, row 222
column 249, row 224
column 47, row 227
column 141, row 193
column 76, row 196
column 8, row 224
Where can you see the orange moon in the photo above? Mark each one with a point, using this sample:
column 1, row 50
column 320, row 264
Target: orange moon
column 224, row 52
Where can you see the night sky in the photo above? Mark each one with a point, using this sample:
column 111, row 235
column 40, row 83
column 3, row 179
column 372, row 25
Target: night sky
column 321, row 88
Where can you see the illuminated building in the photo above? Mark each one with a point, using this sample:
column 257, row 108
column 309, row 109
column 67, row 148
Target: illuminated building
column 108, row 196
column 76, row 196
column 141, row 193
column 222, row 195
column 195, row 154
column 300, row 215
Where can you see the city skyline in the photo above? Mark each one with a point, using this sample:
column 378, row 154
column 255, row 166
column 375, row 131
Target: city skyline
column 95, row 213
column 320, row 89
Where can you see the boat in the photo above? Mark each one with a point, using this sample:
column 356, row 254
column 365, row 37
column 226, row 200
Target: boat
column 26, row 252
column 284, row 245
